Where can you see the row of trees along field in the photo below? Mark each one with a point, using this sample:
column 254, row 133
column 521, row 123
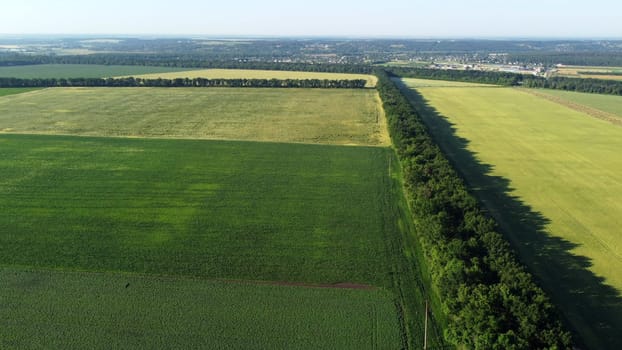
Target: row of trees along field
column 185, row 61
column 490, row 301
column 183, row 82
column 600, row 86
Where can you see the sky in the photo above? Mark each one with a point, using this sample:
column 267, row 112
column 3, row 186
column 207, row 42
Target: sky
column 332, row 18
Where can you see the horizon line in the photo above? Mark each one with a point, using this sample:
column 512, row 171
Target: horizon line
column 310, row 36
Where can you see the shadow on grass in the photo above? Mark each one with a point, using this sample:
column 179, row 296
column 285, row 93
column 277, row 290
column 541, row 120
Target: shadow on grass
column 592, row 309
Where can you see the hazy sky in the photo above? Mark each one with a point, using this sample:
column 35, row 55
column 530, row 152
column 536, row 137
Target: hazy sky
column 397, row 18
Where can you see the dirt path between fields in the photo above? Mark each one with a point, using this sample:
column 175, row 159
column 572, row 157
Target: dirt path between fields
column 592, row 112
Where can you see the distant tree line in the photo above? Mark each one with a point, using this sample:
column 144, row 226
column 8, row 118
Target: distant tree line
column 471, row 76
column 599, row 73
column 182, row 61
column 183, row 82
column 580, row 58
column 600, row 86
column 489, row 299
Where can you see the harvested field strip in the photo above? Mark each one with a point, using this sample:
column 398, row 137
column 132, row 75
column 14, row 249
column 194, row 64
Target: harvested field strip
column 112, row 310
column 325, row 116
column 258, row 74
column 593, row 112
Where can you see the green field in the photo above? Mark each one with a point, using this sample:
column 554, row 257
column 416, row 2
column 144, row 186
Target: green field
column 335, row 116
column 111, row 311
column 213, row 209
column 15, row 91
column 257, row 74
column 606, row 103
column 43, row 71
column 550, row 176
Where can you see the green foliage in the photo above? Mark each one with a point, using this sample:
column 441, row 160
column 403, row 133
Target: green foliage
column 166, row 61
column 470, row 76
column 69, row 310
column 183, row 82
column 490, row 300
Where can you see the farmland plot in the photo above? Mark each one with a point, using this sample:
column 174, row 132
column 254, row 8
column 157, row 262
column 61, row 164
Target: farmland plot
column 78, row 310
column 548, row 174
column 334, row 116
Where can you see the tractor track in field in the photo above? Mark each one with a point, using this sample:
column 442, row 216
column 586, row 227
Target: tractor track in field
column 592, row 112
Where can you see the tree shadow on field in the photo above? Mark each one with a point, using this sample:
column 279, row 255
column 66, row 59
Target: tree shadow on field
column 590, row 308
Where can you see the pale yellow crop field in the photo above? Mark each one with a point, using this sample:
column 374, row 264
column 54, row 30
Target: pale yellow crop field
column 326, row 116
column 258, row 74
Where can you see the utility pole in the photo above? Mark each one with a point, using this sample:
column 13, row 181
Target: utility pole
column 425, row 328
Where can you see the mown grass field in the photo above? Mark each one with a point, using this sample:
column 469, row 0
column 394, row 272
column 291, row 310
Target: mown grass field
column 335, row 116
column 257, row 74
column 550, row 176
column 78, row 71
column 606, row 103
column 69, row 310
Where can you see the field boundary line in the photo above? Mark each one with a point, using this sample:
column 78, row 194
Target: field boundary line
column 592, row 112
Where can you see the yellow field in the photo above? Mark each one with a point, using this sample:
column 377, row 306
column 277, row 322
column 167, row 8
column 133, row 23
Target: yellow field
column 258, row 74
column 326, row 116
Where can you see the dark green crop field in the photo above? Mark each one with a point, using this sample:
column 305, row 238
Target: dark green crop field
column 262, row 211
column 73, row 310
column 213, row 209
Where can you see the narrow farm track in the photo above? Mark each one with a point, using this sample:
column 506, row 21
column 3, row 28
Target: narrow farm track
column 592, row 112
